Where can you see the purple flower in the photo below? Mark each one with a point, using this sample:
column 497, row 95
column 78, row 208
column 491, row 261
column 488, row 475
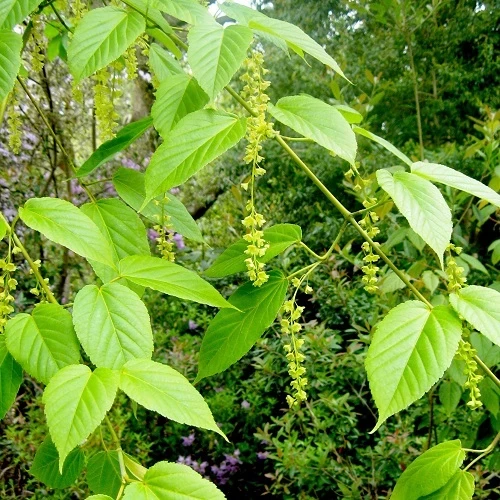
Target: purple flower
column 179, row 241
column 192, row 325
column 127, row 162
column 245, row 404
column 152, row 234
column 175, row 191
column 188, row 441
column 262, row 455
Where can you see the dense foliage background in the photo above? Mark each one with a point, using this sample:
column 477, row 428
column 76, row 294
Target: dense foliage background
column 426, row 77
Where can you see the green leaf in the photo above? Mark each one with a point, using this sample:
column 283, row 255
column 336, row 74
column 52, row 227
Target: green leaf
column 10, row 60
column 317, row 121
column 486, row 350
column 450, row 394
column 120, row 225
column 411, row 349
column 43, row 342
column 145, row 7
column 232, row 333
column 103, row 473
column 11, row 376
column 490, row 396
column 112, row 324
column 216, row 53
column 189, row 11
column 100, row 497
column 129, row 184
column 106, row 151
column 423, row 206
column 473, row 263
column 3, row 227
column 162, row 63
column 176, row 97
column 294, row 37
column 480, row 306
column 160, row 388
column 171, row 279
column 459, row 487
column 12, row 12
column 430, row 471
column 232, row 260
column 439, row 173
column 350, row 114
column 196, row 140
column 63, row 223
column 169, row 481
column 386, row 144
column 76, row 401
column 46, row 465
column 431, row 281
column 100, row 37
column 495, row 248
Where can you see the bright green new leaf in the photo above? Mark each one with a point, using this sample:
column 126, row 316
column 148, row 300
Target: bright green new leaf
column 430, row 471
column 106, row 151
column 189, row 11
column 162, row 63
column 76, row 401
column 11, row 376
column 171, row 279
column 129, row 184
column 445, row 175
column 176, row 97
column 124, row 231
column 411, row 349
column 294, row 37
column 103, row 473
column 160, row 388
column 350, row 114
column 480, row 306
column 232, row 333
column 169, row 481
column 43, row 342
column 486, row 350
column 63, row 223
column 459, row 487
column 196, row 140
column 100, row 37
column 450, row 394
column 46, row 465
column 100, row 497
column 112, row 324
column 386, row 144
column 232, row 260
column 317, row 121
column 423, row 206
column 120, row 225
column 495, row 248
column 216, row 53
column 13, row 12
column 10, row 60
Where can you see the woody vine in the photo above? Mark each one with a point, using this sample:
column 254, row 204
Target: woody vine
column 411, row 347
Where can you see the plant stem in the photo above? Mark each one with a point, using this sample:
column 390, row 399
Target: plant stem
column 53, row 134
column 485, row 452
column 486, row 370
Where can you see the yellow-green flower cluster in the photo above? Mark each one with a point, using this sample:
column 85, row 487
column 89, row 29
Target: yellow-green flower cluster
column 7, row 285
column 454, row 272
column 291, row 327
column 164, row 241
column 258, row 130
column 79, row 8
column 38, row 290
column 14, row 122
column 466, row 353
column 130, row 57
column 369, row 269
column 105, row 112
column 38, row 43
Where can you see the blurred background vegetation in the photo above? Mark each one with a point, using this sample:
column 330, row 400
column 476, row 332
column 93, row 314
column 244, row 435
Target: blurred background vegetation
column 426, row 76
